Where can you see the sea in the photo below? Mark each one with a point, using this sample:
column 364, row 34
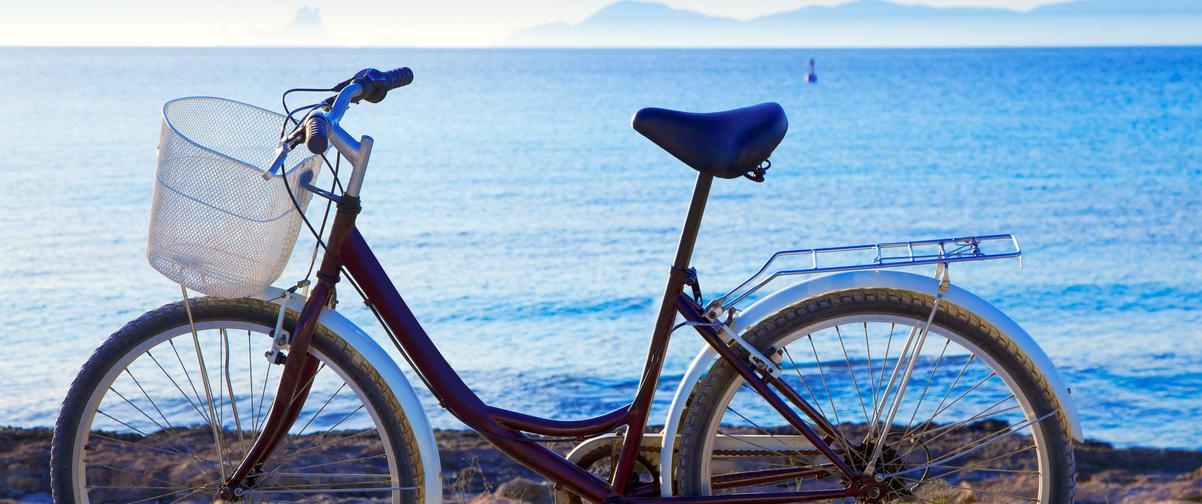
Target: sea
column 531, row 230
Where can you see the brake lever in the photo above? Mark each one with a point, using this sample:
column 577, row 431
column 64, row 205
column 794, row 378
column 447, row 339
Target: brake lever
column 281, row 153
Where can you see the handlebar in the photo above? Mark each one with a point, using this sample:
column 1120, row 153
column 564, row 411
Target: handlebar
column 368, row 84
column 377, row 84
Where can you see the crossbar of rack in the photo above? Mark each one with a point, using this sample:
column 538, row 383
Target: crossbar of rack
column 888, row 255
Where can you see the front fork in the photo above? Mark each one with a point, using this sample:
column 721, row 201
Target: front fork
column 300, row 367
column 293, row 390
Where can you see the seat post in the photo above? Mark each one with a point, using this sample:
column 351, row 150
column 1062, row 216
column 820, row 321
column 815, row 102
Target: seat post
column 692, row 222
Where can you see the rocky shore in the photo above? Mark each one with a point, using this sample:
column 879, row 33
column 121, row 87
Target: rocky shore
column 476, row 473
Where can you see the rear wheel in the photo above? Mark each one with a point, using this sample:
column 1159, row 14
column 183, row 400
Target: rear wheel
column 142, row 423
column 976, row 419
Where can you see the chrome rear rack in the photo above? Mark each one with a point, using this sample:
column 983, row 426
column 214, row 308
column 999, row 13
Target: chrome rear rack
column 876, row 256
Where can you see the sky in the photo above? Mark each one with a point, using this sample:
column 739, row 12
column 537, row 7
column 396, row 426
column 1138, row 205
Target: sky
column 446, row 23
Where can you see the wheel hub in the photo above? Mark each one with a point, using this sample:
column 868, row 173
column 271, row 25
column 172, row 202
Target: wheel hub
column 877, row 488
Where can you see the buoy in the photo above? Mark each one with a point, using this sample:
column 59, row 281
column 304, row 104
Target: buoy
column 812, row 76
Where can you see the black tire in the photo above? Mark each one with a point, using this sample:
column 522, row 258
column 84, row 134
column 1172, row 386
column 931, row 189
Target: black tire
column 703, row 404
column 600, row 462
column 393, row 422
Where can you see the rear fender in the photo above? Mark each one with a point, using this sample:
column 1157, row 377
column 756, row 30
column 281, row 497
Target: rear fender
column 868, row 279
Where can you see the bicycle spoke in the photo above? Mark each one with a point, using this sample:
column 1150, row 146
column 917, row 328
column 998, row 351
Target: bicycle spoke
column 169, row 429
column 943, row 430
column 356, row 459
column 334, row 475
column 958, row 398
column 313, row 444
column 813, row 397
column 321, row 409
column 971, row 448
column 177, row 387
column 225, row 340
column 926, row 387
column 142, row 487
column 880, row 382
column 189, row 454
column 973, row 465
column 296, row 395
column 288, row 457
column 829, row 397
column 868, row 348
column 903, row 385
column 1009, row 454
column 262, row 395
column 342, row 486
column 979, row 468
column 221, row 391
column 188, row 375
column 852, row 372
column 757, row 427
column 130, row 427
column 332, row 490
column 250, row 380
column 951, row 387
column 139, row 410
column 127, row 471
column 185, row 496
column 878, row 409
column 148, row 448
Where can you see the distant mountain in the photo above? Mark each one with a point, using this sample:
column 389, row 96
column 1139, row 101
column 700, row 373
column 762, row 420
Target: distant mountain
column 1123, row 7
column 626, row 23
column 305, row 30
column 881, row 8
column 880, row 23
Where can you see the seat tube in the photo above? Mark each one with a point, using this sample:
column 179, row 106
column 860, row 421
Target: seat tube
column 659, row 338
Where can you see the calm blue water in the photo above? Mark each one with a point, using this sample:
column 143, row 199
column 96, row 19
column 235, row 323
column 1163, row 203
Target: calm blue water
column 530, row 228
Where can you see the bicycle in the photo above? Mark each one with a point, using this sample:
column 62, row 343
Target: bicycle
column 961, row 402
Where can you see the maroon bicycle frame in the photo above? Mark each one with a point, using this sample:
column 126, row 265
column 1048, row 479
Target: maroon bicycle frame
column 346, row 248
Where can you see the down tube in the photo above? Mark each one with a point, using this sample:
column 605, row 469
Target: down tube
column 447, row 385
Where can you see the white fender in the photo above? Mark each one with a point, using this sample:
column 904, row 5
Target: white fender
column 427, row 447
column 869, row 279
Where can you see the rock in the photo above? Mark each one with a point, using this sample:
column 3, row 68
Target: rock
column 475, row 472
column 24, row 462
column 520, row 490
column 967, row 495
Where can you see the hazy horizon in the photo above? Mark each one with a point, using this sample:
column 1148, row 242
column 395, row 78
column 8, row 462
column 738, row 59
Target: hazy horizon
column 464, row 23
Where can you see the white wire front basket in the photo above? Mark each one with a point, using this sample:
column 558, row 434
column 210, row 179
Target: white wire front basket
column 217, row 226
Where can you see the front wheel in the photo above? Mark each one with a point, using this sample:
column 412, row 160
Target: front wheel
column 142, row 422
column 977, row 421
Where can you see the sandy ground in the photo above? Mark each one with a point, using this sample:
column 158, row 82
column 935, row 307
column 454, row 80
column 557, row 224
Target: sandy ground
column 476, row 473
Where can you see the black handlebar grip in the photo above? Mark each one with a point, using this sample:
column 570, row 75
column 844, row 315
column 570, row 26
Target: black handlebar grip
column 398, row 78
column 317, row 134
column 377, row 84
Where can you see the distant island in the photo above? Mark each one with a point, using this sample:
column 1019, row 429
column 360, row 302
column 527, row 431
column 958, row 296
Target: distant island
column 878, row 23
